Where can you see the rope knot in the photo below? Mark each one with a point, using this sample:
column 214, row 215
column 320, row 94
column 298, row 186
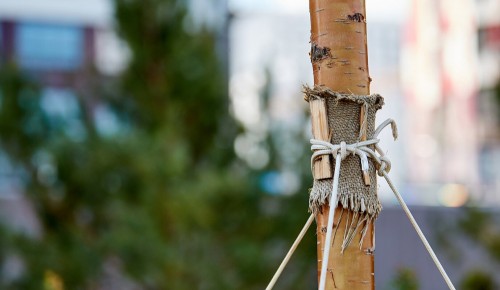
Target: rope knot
column 343, row 150
column 362, row 149
column 385, row 166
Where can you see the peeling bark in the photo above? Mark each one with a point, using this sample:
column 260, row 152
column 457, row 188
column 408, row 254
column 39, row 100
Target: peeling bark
column 338, row 45
column 340, row 62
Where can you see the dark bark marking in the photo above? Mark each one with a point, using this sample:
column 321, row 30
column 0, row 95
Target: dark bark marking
column 319, row 53
column 333, row 278
column 370, row 251
column 356, row 17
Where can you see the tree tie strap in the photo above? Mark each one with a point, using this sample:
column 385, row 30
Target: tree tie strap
column 361, row 149
column 383, row 166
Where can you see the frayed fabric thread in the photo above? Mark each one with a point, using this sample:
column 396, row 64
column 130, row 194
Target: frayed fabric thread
column 353, row 194
column 362, row 150
column 374, row 100
column 363, row 209
column 320, row 195
column 363, row 215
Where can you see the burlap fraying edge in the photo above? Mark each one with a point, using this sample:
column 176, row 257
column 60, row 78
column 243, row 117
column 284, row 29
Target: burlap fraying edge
column 375, row 100
column 320, row 195
column 364, row 208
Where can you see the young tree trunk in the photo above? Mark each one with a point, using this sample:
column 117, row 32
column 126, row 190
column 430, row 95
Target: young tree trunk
column 340, row 62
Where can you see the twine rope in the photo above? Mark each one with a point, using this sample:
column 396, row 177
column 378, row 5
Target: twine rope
column 290, row 252
column 383, row 166
column 419, row 232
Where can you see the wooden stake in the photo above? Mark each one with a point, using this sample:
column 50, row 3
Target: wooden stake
column 319, row 122
column 340, row 62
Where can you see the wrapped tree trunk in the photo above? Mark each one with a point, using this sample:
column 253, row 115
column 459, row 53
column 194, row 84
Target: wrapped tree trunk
column 340, row 65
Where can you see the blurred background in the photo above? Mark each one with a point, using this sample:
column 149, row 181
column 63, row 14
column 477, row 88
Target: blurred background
column 163, row 144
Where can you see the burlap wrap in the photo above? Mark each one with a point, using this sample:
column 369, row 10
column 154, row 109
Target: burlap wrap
column 344, row 121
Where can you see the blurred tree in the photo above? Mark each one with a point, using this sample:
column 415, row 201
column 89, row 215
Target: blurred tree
column 404, row 280
column 496, row 100
column 160, row 202
column 481, row 227
column 477, row 280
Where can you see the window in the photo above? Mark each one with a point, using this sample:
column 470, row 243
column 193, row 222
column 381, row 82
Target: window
column 46, row 46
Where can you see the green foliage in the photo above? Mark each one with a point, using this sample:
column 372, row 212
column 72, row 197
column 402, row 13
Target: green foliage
column 404, row 280
column 164, row 201
column 496, row 96
column 479, row 226
column 477, row 280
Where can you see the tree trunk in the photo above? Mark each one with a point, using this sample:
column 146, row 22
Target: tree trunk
column 340, row 62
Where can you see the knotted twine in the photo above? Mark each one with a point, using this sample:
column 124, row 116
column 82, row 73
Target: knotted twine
column 341, row 151
column 343, row 112
column 383, row 167
column 367, row 157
